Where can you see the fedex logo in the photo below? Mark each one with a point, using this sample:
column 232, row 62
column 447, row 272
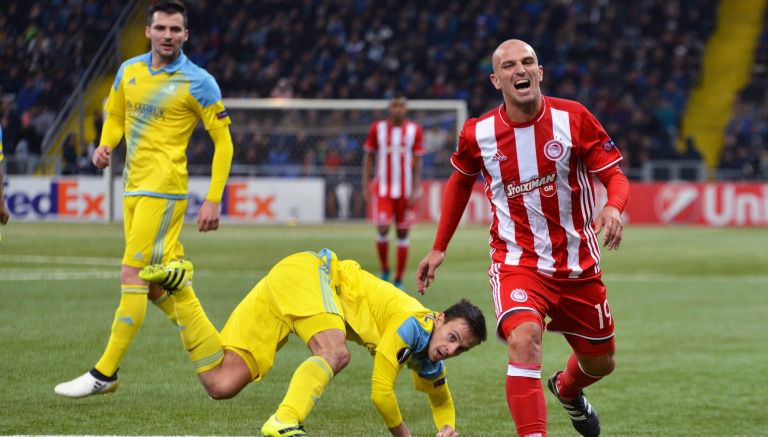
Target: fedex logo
column 264, row 200
column 235, row 203
column 64, row 198
column 241, row 203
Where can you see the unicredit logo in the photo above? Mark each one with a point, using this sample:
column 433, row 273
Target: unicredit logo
column 713, row 204
column 678, row 203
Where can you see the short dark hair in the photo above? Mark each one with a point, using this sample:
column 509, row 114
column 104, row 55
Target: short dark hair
column 398, row 95
column 170, row 7
column 464, row 309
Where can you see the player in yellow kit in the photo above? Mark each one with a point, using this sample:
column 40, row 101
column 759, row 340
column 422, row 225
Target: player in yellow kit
column 324, row 301
column 155, row 102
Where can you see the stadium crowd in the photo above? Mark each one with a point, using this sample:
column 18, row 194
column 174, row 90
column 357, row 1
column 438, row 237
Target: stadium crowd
column 745, row 151
column 45, row 46
column 631, row 63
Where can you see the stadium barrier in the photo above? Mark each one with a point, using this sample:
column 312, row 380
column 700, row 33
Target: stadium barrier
column 250, row 200
column 659, row 203
column 304, row 200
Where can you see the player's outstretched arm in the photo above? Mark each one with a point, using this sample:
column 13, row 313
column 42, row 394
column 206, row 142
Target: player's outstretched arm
column 456, row 194
column 425, row 272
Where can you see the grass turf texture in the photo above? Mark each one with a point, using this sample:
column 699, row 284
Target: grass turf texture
column 690, row 304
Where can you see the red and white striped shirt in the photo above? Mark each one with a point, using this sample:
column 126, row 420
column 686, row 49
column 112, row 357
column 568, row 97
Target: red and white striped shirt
column 395, row 147
column 538, row 178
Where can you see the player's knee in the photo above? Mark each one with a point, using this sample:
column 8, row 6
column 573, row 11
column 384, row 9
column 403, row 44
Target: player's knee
column 337, row 358
column 524, row 343
column 601, row 365
column 219, row 389
column 222, row 384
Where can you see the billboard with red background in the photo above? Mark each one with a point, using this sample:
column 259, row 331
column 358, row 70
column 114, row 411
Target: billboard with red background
column 708, row 204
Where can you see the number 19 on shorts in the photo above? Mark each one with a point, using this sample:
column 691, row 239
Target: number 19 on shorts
column 604, row 314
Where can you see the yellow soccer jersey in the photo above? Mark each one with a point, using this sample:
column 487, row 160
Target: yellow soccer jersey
column 159, row 109
column 396, row 329
column 2, row 157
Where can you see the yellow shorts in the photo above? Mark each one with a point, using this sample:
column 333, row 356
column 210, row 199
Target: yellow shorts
column 152, row 226
column 298, row 295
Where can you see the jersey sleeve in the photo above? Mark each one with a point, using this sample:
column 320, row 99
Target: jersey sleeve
column 371, row 142
column 114, row 107
column 391, row 352
column 207, row 102
column 467, row 159
column 440, row 399
column 598, row 149
column 418, row 142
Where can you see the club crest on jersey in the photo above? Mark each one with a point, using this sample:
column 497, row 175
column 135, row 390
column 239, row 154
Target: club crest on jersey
column 518, row 295
column 403, row 354
column 610, row 145
column 546, row 183
column 554, row 150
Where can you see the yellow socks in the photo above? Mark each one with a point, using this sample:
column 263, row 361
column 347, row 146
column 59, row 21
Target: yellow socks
column 200, row 337
column 306, row 387
column 128, row 319
column 166, row 304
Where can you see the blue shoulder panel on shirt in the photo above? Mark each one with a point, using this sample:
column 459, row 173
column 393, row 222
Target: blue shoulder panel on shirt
column 119, row 75
column 202, row 85
column 413, row 334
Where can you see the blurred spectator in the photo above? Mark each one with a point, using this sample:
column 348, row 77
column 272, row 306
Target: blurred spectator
column 45, row 46
column 28, row 145
column 745, row 149
column 69, row 158
column 632, row 62
column 625, row 59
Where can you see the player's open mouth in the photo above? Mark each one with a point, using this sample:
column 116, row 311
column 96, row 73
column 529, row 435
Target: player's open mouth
column 522, row 84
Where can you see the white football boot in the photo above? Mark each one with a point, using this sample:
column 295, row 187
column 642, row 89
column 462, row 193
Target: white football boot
column 85, row 385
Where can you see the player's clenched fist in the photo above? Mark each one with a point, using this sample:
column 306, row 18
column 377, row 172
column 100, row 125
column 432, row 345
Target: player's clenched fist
column 101, row 156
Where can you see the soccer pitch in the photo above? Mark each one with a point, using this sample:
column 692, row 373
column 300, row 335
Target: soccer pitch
column 690, row 304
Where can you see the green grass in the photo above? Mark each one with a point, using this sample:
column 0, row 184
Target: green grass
column 691, row 307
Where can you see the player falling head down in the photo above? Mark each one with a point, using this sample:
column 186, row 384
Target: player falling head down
column 324, row 301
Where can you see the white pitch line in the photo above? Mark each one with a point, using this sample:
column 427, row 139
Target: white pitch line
column 22, row 275
column 75, row 260
column 39, row 274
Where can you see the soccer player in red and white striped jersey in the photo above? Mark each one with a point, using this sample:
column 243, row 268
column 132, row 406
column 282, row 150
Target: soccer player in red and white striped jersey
column 537, row 156
column 397, row 146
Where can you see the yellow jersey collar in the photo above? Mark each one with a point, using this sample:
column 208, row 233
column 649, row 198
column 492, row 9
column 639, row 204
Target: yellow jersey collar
column 170, row 68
